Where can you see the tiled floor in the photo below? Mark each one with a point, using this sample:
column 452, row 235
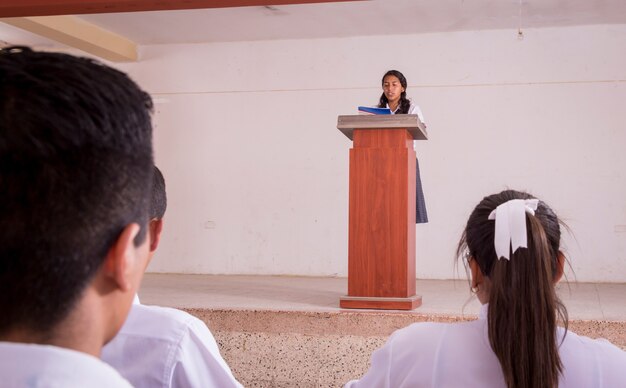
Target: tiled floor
column 584, row 301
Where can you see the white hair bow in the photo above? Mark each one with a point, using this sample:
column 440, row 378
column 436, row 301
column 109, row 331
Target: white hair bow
column 510, row 220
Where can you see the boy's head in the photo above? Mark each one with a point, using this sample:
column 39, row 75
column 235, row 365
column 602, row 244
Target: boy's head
column 75, row 172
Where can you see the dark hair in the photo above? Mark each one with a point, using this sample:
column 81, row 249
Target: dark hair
column 158, row 202
column 75, row 170
column 405, row 104
column 523, row 304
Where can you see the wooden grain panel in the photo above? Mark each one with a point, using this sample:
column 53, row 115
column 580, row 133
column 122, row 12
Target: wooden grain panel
column 382, row 138
column 381, row 254
column 410, row 219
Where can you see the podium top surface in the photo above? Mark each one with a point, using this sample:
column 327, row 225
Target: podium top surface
column 348, row 123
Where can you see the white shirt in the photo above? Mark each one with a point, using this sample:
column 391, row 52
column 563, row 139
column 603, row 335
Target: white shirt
column 46, row 366
column 413, row 110
column 459, row 355
column 165, row 347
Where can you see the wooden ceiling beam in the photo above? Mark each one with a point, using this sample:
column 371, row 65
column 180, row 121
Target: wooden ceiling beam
column 22, row 8
column 75, row 32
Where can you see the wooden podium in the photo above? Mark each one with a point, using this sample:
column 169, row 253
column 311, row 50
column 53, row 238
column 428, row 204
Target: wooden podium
column 381, row 237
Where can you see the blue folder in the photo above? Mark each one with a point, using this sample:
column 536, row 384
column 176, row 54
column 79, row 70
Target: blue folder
column 374, row 111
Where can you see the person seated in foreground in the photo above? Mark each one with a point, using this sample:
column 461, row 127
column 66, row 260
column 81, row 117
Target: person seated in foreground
column 165, row 347
column 75, row 178
column 512, row 246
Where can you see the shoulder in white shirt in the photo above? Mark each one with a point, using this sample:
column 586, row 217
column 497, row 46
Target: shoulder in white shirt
column 413, row 110
column 459, row 355
column 32, row 365
column 165, row 347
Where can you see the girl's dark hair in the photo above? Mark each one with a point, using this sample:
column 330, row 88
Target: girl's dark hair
column 405, row 104
column 523, row 305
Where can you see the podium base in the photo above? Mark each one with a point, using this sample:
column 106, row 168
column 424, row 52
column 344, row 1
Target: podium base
column 380, row 303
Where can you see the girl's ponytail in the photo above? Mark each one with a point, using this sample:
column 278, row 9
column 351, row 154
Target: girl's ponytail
column 523, row 305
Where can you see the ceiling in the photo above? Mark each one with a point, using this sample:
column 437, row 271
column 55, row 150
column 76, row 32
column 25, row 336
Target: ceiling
column 337, row 19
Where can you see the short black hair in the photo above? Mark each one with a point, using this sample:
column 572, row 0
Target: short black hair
column 158, row 203
column 75, row 170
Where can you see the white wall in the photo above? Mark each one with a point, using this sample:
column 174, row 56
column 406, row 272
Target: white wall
column 257, row 172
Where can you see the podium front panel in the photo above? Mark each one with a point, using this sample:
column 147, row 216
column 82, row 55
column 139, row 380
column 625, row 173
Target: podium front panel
column 381, row 252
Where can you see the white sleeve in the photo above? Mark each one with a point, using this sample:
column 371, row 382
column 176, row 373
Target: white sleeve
column 591, row 362
column 415, row 110
column 406, row 360
column 197, row 361
column 379, row 373
column 612, row 363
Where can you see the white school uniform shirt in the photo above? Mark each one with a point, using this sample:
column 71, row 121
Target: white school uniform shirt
column 459, row 355
column 46, row 366
column 413, row 110
column 165, row 347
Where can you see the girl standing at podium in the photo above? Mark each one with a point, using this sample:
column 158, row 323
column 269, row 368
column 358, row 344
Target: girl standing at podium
column 394, row 98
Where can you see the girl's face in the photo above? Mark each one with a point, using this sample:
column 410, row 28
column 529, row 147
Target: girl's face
column 392, row 88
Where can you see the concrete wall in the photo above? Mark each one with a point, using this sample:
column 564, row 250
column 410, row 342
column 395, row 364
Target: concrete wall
column 257, row 172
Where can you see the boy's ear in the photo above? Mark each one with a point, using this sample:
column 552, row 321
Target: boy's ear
column 560, row 265
column 121, row 258
column 156, row 227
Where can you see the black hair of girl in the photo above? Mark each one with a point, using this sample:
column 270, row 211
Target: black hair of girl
column 523, row 305
column 404, row 104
